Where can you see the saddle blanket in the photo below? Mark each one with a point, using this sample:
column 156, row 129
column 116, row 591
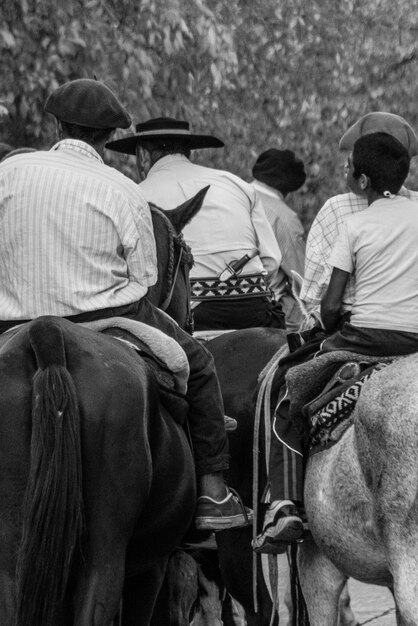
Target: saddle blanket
column 306, row 381
column 165, row 348
column 330, row 414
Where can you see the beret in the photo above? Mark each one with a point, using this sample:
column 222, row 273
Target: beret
column 87, row 102
column 162, row 129
column 280, row 169
column 381, row 122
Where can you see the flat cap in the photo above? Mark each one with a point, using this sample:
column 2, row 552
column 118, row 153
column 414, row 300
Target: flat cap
column 87, row 102
column 280, row 169
column 380, row 121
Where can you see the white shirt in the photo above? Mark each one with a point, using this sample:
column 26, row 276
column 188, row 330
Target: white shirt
column 231, row 222
column 321, row 238
column 75, row 234
column 287, row 229
column 379, row 247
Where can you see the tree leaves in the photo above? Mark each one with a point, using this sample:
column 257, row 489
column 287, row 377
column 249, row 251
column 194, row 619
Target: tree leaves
column 257, row 73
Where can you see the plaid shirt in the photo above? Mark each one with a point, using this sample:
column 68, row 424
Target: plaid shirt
column 75, row 234
column 321, row 239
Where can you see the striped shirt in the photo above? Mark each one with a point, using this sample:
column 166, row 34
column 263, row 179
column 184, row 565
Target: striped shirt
column 75, row 234
column 321, row 239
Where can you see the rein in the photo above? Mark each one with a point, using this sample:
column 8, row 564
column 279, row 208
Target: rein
column 185, row 260
column 169, row 271
column 166, row 302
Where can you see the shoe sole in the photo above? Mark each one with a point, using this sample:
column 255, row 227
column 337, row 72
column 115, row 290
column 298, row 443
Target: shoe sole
column 287, row 530
column 271, row 547
column 220, row 523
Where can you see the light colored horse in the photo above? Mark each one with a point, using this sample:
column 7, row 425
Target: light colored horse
column 361, row 501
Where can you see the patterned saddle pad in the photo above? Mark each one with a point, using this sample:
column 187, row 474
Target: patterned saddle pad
column 330, row 412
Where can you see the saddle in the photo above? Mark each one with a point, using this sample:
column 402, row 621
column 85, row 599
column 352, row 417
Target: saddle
column 330, row 413
column 323, row 393
column 163, row 356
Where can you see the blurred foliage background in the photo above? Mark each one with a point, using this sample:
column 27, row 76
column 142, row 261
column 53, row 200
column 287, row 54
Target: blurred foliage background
column 257, row 73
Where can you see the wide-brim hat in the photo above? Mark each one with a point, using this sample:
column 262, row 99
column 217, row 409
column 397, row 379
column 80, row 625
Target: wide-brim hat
column 380, row 121
column 88, row 103
column 162, row 128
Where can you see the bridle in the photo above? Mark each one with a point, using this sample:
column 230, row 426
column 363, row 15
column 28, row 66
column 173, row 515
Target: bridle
column 185, row 259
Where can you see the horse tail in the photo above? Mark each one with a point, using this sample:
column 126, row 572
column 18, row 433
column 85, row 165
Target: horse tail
column 53, row 503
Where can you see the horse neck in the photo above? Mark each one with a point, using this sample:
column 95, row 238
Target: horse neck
column 167, row 258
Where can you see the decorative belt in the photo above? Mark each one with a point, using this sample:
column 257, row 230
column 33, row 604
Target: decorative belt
column 249, row 286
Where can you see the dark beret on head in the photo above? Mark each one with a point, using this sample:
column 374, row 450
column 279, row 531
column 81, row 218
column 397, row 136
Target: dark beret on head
column 280, row 169
column 89, row 103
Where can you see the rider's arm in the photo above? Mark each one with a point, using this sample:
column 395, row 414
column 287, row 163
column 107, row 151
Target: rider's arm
column 138, row 247
column 268, row 247
column 320, row 240
column 332, row 300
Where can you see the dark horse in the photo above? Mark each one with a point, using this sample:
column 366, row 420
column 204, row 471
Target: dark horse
column 239, row 356
column 171, row 293
column 96, row 479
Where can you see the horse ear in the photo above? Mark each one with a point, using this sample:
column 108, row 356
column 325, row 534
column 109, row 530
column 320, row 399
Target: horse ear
column 181, row 215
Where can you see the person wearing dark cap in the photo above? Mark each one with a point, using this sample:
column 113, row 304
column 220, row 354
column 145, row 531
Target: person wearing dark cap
column 236, row 256
column 326, row 225
column 277, row 173
column 77, row 241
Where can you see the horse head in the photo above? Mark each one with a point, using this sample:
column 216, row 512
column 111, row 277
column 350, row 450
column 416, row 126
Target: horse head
column 171, row 293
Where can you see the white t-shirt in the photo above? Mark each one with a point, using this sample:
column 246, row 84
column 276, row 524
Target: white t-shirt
column 380, row 247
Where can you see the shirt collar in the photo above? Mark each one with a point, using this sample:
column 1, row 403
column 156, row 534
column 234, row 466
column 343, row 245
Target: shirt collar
column 266, row 189
column 76, row 145
column 169, row 158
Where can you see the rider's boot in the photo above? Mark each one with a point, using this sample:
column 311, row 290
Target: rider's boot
column 282, row 525
column 219, row 507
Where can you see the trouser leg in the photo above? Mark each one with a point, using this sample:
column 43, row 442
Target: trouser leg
column 237, row 314
column 286, row 464
column 206, row 411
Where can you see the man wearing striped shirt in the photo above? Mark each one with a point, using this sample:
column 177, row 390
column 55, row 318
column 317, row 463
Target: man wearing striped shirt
column 77, row 241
